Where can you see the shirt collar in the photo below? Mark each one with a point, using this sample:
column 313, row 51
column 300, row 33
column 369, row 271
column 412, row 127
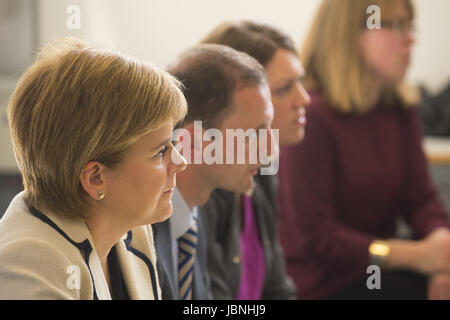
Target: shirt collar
column 182, row 216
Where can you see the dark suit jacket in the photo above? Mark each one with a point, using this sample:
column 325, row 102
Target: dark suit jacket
column 435, row 112
column 224, row 228
column 168, row 281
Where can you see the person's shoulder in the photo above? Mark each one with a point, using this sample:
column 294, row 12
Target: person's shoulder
column 411, row 113
column 407, row 117
column 266, row 187
column 17, row 222
column 218, row 212
column 219, row 200
column 35, row 250
column 34, row 268
column 22, row 232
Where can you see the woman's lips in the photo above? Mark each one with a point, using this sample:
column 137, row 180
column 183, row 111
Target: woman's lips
column 168, row 191
column 301, row 121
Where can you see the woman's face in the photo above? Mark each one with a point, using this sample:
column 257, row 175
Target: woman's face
column 289, row 98
column 388, row 51
column 140, row 190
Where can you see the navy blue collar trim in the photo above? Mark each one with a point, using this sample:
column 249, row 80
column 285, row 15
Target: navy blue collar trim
column 85, row 245
column 143, row 257
column 87, row 248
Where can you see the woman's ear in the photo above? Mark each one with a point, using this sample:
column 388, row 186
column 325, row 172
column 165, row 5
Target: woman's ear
column 92, row 180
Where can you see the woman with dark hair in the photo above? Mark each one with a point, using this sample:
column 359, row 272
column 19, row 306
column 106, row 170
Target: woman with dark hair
column 245, row 259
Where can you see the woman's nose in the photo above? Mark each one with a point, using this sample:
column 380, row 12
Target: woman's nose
column 302, row 97
column 177, row 161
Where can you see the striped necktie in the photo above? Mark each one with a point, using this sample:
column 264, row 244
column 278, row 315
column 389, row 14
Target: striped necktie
column 187, row 245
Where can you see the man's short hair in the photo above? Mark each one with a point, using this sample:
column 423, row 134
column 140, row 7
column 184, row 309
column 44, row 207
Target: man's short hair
column 211, row 74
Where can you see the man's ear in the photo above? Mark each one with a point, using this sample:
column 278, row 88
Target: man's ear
column 92, row 179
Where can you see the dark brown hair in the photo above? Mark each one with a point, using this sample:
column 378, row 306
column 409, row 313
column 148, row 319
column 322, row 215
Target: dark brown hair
column 211, row 74
column 261, row 41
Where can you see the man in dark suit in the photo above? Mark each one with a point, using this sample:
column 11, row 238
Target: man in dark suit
column 225, row 89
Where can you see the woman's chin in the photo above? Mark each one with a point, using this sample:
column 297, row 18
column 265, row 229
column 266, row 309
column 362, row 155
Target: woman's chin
column 160, row 214
column 165, row 212
column 295, row 137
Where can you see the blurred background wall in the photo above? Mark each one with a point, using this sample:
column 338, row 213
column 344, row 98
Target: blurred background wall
column 157, row 30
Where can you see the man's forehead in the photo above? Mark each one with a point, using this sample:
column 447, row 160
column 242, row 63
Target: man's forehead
column 253, row 96
column 252, row 104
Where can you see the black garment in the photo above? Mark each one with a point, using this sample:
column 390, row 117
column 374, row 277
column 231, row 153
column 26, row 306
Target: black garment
column 118, row 288
column 435, row 112
column 395, row 285
column 223, row 219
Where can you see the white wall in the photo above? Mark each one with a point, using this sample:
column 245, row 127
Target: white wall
column 431, row 59
column 157, row 30
column 16, row 43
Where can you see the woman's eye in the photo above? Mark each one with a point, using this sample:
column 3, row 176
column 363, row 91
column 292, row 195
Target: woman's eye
column 284, row 89
column 176, row 143
column 163, row 151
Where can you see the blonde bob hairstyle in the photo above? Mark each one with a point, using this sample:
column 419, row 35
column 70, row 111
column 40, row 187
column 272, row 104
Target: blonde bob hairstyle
column 333, row 62
column 77, row 104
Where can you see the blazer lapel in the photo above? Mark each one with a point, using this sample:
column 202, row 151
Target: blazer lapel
column 138, row 269
column 164, row 250
column 98, row 276
column 76, row 232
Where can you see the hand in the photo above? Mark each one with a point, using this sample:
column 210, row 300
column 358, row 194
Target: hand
column 439, row 287
column 435, row 256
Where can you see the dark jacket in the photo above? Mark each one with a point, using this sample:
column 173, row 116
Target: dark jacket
column 224, row 227
column 168, row 280
column 435, row 113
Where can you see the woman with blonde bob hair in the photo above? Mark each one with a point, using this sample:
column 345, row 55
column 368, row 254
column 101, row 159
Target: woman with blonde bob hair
column 91, row 131
column 361, row 166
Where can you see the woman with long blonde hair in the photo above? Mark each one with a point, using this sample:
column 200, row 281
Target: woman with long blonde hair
column 361, row 166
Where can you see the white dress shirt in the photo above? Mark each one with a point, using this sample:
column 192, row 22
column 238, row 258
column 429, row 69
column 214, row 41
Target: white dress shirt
column 180, row 222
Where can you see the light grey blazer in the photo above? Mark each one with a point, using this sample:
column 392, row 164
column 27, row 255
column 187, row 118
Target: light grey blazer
column 47, row 256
